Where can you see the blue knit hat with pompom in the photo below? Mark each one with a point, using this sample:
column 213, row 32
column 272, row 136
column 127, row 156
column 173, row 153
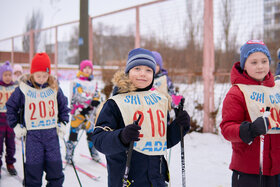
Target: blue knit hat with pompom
column 250, row 47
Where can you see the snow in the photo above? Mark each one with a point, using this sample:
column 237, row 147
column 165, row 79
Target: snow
column 207, row 158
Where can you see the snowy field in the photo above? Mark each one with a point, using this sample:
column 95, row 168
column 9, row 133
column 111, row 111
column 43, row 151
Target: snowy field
column 207, row 156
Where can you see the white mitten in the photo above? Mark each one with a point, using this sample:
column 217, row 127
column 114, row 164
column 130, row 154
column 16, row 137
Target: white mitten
column 61, row 130
column 20, row 131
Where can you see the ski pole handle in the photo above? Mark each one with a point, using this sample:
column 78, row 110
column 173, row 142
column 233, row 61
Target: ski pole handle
column 181, row 104
column 180, row 108
column 126, row 182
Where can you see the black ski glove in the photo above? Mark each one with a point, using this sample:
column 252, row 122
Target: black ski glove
column 85, row 111
column 130, row 133
column 94, row 103
column 182, row 119
column 248, row 131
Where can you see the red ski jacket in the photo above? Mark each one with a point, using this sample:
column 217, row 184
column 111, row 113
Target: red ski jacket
column 246, row 158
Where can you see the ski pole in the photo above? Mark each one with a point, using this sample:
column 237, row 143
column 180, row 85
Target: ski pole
column 266, row 114
column 22, row 147
column 73, row 165
column 126, row 183
column 180, row 108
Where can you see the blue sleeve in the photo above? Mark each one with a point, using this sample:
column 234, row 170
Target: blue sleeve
column 14, row 105
column 174, row 134
column 63, row 110
column 107, row 129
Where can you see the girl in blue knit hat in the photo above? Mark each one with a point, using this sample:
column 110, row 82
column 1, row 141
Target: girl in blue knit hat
column 7, row 134
column 115, row 129
column 251, row 116
column 162, row 81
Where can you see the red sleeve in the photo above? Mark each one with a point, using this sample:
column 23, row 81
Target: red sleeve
column 234, row 112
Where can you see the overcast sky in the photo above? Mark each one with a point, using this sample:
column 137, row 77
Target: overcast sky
column 14, row 13
column 248, row 16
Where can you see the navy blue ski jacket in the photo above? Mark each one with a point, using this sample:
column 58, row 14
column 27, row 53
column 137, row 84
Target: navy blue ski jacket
column 145, row 170
column 16, row 103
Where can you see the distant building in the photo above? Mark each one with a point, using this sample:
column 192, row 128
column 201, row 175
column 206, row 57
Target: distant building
column 271, row 18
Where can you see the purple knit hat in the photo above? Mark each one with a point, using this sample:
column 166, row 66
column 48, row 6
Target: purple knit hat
column 5, row 67
column 158, row 58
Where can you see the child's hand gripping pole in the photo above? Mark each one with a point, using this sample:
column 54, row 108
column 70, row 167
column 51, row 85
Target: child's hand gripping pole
column 265, row 115
column 126, row 182
column 180, row 108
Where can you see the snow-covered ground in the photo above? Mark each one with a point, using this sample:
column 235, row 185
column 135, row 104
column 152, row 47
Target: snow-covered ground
column 207, row 158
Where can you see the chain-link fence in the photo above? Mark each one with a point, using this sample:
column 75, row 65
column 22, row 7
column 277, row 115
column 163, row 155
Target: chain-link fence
column 172, row 27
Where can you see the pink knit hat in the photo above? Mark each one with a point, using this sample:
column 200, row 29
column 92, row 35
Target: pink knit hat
column 18, row 67
column 85, row 63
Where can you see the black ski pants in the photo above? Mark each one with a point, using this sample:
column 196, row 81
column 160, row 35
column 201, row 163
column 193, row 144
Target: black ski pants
column 240, row 179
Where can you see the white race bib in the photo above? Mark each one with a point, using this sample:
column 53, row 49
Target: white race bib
column 89, row 88
column 40, row 107
column 153, row 107
column 259, row 97
column 5, row 93
column 161, row 84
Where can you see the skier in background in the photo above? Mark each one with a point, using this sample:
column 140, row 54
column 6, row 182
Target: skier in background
column 84, row 102
column 115, row 129
column 243, row 119
column 39, row 105
column 17, row 73
column 277, row 83
column 7, row 134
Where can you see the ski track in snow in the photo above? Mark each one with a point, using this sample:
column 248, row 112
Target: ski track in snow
column 207, row 158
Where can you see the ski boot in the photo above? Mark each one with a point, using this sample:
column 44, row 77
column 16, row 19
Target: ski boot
column 93, row 153
column 11, row 169
column 69, row 151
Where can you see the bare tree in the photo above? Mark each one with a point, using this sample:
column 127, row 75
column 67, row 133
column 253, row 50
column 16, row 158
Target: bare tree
column 193, row 27
column 227, row 55
column 33, row 23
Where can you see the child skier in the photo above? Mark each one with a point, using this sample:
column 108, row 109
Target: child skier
column 114, row 129
column 34, row 110
column 17, row 73
column 162, row 82
column 7, row 134
column 85, row 99
column 243, row 122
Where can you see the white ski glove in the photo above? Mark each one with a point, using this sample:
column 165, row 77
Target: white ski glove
column 20, row 131
column 61, row 130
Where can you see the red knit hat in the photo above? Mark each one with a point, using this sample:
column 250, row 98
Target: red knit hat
column 41, row 62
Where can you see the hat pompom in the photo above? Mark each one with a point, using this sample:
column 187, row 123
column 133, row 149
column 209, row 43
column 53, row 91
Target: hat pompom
column 41, row 62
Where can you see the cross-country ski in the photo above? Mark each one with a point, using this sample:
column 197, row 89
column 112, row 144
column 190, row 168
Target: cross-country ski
column 98, row 162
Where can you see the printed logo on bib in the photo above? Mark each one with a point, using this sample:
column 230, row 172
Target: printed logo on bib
column 44, row 109
column 258, row 98
column 5, row 93
column 40, row 107
column 153, row 108
column 152, row 140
